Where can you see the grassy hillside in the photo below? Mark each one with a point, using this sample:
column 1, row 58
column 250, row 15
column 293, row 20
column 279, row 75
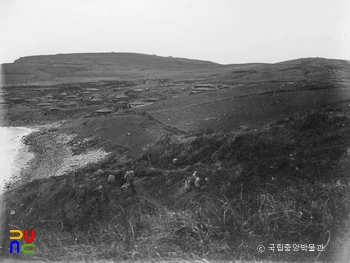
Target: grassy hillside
column 286, row 183
column 96, row 66
column 65, row 68
column 271, row 139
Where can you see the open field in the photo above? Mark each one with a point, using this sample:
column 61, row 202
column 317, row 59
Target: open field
column 272, row 139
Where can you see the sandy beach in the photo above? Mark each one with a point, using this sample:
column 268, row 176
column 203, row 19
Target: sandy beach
column 15, row 154
column 50, row 153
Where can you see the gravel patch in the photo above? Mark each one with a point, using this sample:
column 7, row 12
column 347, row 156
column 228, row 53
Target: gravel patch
column 71, row 163
column 54, row 155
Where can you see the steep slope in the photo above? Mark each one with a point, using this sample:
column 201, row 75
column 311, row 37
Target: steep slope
column 284, row 184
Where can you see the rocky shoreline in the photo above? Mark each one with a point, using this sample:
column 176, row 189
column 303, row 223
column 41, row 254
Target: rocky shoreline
column 55, row 154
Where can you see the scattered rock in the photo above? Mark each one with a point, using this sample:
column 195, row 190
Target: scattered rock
column 99, row 172
column 111, row 178
column 244, row 128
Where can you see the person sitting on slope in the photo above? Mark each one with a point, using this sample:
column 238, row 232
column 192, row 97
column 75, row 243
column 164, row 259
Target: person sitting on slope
column 192, row 182
column 129, row 176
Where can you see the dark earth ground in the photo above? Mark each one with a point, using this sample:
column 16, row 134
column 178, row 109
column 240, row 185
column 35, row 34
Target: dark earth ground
column 305, row 146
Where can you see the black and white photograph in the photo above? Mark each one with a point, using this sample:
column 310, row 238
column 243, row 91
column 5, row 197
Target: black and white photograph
column 175, row 131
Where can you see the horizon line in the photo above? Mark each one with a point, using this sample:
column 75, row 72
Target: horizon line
column 136, row 53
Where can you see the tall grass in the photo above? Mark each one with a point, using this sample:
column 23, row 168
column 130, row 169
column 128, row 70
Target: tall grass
column 284, row 184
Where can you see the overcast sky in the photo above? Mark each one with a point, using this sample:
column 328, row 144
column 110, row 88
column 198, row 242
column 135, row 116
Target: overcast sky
column 223, row 31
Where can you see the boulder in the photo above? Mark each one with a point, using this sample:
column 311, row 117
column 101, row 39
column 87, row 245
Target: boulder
column 111, row 178
column 99, row 172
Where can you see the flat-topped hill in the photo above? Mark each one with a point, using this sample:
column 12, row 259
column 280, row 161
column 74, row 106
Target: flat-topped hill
column 93, row 67
column 96, row 66
column 126, row 59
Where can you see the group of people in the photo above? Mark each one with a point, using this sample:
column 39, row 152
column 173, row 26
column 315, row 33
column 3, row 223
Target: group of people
column 191, row 182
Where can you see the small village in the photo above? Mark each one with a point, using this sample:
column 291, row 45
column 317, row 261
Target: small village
column 100, row 99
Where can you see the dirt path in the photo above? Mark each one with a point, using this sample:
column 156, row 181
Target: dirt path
column 166, row 127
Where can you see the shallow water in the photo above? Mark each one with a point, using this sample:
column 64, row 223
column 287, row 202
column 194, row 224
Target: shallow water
column 13, row 153
column 13, row 156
